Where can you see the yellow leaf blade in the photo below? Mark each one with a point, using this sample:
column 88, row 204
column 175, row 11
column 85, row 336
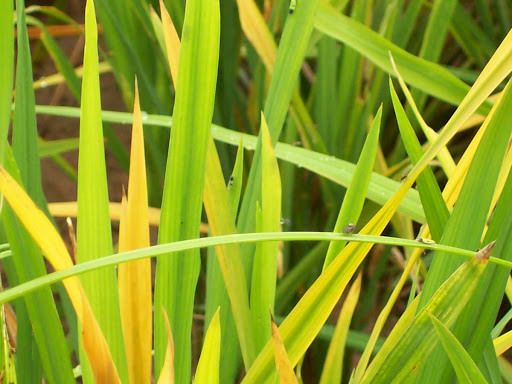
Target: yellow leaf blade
column 334, row 360
column 503, row 343
column 167, row 373
column 70, row 209
column 134, row 278
column 283, row 364
column 256, row 30
column 54, row 249
column 172, row 42
column 96, row 348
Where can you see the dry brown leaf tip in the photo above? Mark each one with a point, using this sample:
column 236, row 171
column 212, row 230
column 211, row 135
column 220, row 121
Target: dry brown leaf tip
column 485, row 252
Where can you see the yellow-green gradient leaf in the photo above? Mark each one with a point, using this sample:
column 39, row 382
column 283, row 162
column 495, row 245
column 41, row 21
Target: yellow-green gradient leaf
column 167, row 374
column 134, row 278
column 465, row 368
column 177, row 274
column 333, row 364
column 94, row 236
column 283, row 365
column 70, row 209
column 208, row 367
column 172, row 42
column 264, row 272
column 51, row 244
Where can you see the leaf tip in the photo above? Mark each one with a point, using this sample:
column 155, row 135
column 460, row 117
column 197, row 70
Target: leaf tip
column 485, row 252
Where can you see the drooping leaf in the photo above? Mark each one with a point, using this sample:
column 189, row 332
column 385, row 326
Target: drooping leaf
column 380, row 189
column 51, row 244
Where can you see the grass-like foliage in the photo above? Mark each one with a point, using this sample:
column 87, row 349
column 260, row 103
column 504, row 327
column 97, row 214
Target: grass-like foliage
column 329, row 180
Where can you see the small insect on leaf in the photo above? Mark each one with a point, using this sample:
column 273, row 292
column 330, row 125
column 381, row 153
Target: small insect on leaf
column 293, row 4
column 230, row 182
column 425, row 241
column 349, row 228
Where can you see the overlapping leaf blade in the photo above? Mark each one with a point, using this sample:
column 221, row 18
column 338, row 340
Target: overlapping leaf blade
column 94, row 237
column 176, row 275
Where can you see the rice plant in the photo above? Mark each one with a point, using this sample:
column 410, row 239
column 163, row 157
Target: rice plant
column 318, row 192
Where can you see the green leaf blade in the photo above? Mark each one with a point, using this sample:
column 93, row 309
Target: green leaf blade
column 465, row 368
column 404, row 353
column 176, row 276
column 354, row 198
column 467, row 222
column 432, row 200
column 264, row 271
column 94, row 236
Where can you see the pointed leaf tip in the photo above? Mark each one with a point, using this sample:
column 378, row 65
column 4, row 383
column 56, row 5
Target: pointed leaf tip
column 485, row 252
column 283, row 364
column 167, row 373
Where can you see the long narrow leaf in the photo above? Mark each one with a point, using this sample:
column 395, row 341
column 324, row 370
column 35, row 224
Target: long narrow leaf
column 468, row 219
column 380, row 189
column 28, row 262
column 49, row 241
column 264, row 272
column 135, row 278
column 217, row 205
column 332, row 371
column 433, row 203
column 94, row 237
column 219, row 268
column 176, row 275
column 290, row 54
column 354, row 198
column 427, row 76
column 6, row 71
column 78, row 269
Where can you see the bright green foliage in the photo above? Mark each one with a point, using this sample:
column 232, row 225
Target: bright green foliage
column 411, row 184
column 356, row 192
column 268, row 216
column 465, row 368
column 41, row 343
column 6, row 70
column 176, row 275
column 93, row 225
column 432, row 200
